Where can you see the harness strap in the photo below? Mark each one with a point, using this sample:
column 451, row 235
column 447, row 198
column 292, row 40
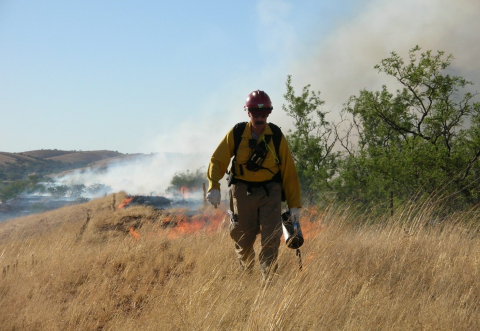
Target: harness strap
column 249, row 189
column 238, row 130
column 250, row 185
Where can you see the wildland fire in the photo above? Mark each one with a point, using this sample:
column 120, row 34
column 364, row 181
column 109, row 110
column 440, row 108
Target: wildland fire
column 390, row 228
column 97, row 266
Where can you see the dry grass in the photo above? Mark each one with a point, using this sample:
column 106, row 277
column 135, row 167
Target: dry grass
column 88, row 156
column 88, row 267
column 59, row 155
column 6, row 158
column 45, row 153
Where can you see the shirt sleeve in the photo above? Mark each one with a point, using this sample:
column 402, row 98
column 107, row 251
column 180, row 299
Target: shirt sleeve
column 219, row 161
column 291, row 183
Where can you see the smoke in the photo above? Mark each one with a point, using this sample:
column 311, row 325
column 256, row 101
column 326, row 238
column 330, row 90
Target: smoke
column 339, row 64
column 342, row 62
column 186, row 146
column 138, row 175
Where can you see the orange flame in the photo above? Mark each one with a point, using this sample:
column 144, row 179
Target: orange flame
column 125, row 202
column 134, row 233
column 185, row 192
column 167, row 220
column 186, row 227
column 180, row 223
column 209, row 221
column 311, row 222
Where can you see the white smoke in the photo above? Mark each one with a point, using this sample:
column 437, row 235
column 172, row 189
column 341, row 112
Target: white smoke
column 138, row 175
column 338, row 64
column 342, row 63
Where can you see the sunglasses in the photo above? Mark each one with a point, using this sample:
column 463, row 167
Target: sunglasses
column 257, row 116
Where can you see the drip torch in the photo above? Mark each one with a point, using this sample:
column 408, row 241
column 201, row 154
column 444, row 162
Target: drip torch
column 292, row 234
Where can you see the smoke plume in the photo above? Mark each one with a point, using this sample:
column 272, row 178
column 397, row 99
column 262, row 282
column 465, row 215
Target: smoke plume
column 342, row 63
column 138, row 175
column 338, row 64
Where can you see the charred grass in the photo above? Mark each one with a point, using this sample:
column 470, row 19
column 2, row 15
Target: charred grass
column 93, row 267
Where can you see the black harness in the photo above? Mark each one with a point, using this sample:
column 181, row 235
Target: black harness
column 256, row 159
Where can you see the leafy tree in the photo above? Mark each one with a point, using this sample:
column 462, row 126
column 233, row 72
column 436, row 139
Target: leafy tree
column 311, row 142
column 58, row 191
column 422, row 140
column 193, row 180
column 13, row 189
column 77, row 190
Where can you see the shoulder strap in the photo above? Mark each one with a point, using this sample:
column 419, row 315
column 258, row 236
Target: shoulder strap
column 237, row 138
column 240, row 127
column 277, row 137
column 237, row 135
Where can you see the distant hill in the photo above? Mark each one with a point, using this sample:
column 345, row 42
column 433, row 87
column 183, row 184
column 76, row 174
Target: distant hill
column 12, row 158
column 46, row 153
column 84, row 157
column 16, row 168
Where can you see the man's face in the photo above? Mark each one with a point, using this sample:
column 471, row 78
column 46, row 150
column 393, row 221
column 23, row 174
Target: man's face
column 258, row 121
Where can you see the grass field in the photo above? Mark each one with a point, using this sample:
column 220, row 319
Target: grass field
column 95, row 267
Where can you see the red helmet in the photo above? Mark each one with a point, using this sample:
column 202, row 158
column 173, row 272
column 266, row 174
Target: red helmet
column 258, row 102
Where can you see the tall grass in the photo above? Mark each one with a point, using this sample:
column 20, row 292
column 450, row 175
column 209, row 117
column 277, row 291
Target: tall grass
column 90, row 267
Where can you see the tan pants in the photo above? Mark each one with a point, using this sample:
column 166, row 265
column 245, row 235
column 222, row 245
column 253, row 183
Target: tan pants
column 254, row 214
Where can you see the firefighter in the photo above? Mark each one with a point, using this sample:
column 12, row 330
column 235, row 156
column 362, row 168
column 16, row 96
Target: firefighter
column 262, row 169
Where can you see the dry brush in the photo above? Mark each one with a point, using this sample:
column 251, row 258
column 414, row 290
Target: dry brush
column 89, row 267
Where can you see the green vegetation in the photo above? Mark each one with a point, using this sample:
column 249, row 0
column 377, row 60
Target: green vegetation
column 421, row 141
column 193, row 180
column 25, row 176
column 311, row 142
column 21, row 169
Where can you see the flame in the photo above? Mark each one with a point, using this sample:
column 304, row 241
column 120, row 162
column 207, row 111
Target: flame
column 134, row 233
column 311, row 222
column 125, row 202
column 208, row 221
column 185, row 192
column 186, row 227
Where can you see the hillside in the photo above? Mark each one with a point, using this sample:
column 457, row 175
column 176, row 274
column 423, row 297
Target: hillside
column 57, row 155
column 89, row 157
column 95, row 267
column 46, row 153
column 22, row 172
column 12, row 158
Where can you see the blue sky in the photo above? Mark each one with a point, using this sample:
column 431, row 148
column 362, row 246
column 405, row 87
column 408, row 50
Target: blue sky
column 172, row 76
column 89, row 75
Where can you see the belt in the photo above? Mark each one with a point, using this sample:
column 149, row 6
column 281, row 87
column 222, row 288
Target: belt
column 251, row 185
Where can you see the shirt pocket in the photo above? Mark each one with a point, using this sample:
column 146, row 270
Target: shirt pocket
column 243, row 154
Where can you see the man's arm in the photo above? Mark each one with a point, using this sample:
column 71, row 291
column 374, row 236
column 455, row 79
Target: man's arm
column 219, row 161
column 291, row 183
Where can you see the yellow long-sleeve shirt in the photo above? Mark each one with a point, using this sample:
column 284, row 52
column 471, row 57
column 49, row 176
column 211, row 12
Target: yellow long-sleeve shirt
column 221, row 159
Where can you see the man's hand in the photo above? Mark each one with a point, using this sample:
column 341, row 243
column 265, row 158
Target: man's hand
column 295, row 214
column 213, row 196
